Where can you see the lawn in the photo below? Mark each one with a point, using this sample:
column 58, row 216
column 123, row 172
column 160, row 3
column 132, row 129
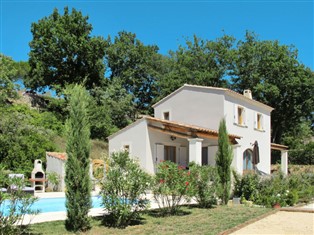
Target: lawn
column 191, row 220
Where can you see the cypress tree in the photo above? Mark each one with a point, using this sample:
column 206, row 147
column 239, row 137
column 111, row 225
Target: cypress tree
column 77, row 180
column 223, row 161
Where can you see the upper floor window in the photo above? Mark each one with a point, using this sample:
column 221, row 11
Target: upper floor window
column 239, row 116
column 259, row 125
column 166, row 116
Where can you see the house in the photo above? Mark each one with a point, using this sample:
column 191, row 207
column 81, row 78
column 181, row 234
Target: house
column 185, row 129
column 56, row 163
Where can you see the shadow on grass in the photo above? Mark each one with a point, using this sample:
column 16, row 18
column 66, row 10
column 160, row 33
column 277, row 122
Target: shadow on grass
column 26, row 230
column 165, row 213
column 109, row 222
column 191, row 206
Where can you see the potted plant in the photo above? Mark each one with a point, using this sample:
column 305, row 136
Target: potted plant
column 54, row 179
column 276, row 201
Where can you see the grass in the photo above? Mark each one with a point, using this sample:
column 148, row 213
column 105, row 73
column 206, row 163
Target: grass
column 192, row 220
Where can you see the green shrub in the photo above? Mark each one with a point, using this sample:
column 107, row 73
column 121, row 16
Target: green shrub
column 77, row 181
column 285, row 191
column 203, row 185
column 54, row 179
column 245, row 186
column 123, row 190
column 303, row 184
column 14, row 205
column 223, row 159
column 278, row 189
column 170, row 187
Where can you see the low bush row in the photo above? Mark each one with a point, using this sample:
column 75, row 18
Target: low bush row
column 126, row 183
column 275, row 189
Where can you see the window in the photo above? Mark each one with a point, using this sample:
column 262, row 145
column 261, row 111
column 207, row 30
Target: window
column 126, row 148
column 170, row 153
column 166, row 116
column 259, row 121
column 241, row 116
column 247, row 160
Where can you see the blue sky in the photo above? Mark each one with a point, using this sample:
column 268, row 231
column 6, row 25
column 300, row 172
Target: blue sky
column 167, row 23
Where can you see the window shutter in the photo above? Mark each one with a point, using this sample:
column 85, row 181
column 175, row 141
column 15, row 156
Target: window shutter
column 255, row 120
column 159, row 153
column 235, row 113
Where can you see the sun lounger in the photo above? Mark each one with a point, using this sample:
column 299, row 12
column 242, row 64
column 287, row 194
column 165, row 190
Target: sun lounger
column 25, row 189
column 3, row 190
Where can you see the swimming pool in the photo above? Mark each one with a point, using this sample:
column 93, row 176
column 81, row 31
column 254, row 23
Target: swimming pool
column 54, row 204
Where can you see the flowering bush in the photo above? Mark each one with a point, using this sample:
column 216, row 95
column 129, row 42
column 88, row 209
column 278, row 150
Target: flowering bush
column 124, row 190
column 203, row 184
column 170, row 186
column 285, row 191
column 14, row 205
column 275, row 190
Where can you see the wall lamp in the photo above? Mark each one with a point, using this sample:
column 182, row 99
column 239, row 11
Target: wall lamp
column 173, row 138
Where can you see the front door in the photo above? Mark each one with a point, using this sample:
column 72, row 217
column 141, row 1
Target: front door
column 170, row 153
column 204, row 156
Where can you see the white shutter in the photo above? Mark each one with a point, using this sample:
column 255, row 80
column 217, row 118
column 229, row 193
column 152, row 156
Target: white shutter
column 244, row 117
column 183, row 161
column 255, row 120
column 235, row 113
column 159, row 153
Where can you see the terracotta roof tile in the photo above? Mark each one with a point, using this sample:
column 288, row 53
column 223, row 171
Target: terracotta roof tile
column 196, row 128
column 61, row 156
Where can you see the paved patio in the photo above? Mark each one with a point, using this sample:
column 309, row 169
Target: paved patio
column 297, row 220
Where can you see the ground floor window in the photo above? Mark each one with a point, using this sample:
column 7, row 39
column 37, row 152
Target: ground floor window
column 170, row 153
column 247, row 160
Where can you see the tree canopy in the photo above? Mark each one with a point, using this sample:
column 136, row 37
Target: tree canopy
column 64, row 52
column 136, row 66
column 10, row 72
column 199, row 62
column 276, row 78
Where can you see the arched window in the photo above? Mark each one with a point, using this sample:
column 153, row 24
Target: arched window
column 247, row 160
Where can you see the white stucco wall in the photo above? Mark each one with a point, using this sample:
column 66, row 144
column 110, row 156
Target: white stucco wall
column 135, row 136
column 248, row 133
column 58, row 166
column 198, row 106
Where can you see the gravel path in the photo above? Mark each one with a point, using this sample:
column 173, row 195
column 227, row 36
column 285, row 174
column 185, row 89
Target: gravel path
column 284, row 222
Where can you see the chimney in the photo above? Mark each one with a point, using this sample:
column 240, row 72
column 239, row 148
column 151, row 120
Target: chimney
column 247, row 93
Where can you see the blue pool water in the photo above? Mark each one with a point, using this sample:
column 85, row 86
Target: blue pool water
column 53, row 204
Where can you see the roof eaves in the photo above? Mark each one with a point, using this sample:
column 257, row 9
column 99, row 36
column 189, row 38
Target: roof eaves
column 198, row 128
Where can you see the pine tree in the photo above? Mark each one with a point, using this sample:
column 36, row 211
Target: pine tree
column 78, row 186
column 223, row 161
